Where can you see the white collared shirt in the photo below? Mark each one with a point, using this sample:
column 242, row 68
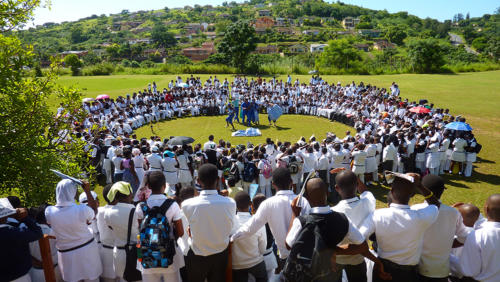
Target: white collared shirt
column 69, row 224
column 277, row 211
column 400, row 231
column 211, row 218
column 481, row 253
column 248, row 252
column 353, row 235
column 116, row 217
column 357, row 210
column 438, row 240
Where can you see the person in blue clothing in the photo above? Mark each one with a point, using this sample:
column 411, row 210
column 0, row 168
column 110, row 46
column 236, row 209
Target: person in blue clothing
column 230, row 117
column 236, row 102
column 250, row 113
column 244, row 109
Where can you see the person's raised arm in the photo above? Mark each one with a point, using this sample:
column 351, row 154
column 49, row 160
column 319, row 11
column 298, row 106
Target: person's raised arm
column 30, row 234
column 90, row 199
column 429, row 197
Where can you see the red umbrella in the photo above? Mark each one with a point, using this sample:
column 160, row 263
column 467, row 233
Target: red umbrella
column 420, row 110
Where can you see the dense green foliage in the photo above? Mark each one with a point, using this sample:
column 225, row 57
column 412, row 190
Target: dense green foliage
column 163, row 34
column 237, row 43
column 32, row 139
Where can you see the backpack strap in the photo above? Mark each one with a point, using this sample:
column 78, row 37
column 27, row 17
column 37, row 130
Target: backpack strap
column 129, row 231
column 302, row 220
column 166, row 205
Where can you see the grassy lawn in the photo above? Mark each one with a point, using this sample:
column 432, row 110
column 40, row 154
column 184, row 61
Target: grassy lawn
column 475, row 96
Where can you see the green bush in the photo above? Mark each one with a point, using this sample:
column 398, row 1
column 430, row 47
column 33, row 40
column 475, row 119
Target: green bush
column 147, row 64
column 126, row 62
column 135, row 64
column 99, row 69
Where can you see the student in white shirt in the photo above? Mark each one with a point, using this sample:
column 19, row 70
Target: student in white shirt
column 211, row 218
column 481, row 251
column 107, row 240
column 439, row 238
column 400, row 230
column 276, row 211
column 336, row 229
column 157, row 184
column 117, row 219
column 247, row 254
column 74, row 241
column 357, row 209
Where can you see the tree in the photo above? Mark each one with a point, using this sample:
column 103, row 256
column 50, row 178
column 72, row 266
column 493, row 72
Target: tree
column 238, row 42
column 162, row 37
column 16, row 13
column 425, row 55
column 76, row 35
column 340, row 54
column 396, row 34
column 74, row 63
column 33, row 139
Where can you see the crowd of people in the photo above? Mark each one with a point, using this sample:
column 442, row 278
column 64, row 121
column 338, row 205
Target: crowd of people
column 214, row 210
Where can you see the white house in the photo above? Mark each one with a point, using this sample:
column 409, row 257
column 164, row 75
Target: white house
column 317, row 48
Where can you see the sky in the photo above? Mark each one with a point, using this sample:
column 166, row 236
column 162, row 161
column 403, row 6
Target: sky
column 72, row 10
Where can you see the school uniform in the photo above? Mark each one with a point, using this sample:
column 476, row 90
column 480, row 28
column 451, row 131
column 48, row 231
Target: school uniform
column 438, row 239
column 154, row 161
column 247, row 254
column 470, row 158
column 171, row 273
column 399, row 232
column 433, row 159
column 117, row 218
column 358, row 167
column 184, row 174
column 323, row 166
column 356, row 209
column 443, row 149
column 170, row 172
column 277, row 212
column 458, row 154
column 211, row 219
column 78, row 252
column 264, row 183
column 480, row 254
column 106, row 246
column 389, row 157
column 371, row 162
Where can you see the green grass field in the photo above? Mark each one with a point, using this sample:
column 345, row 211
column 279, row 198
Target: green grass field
column 475, row 96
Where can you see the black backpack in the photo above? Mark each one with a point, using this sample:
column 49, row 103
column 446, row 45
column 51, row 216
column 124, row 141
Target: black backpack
column 234, row 172
column 249, row 172
column 310, row 256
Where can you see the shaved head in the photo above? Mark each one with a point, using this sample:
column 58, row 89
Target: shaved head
column 492, row 207
column 470, row 214
column 316, row 191
column 346, row 183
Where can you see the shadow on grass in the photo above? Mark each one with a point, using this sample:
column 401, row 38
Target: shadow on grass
column 282, row 128
column 481, row 160
column 379, row 191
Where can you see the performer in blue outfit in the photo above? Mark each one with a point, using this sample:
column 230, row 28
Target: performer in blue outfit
column 250, row 113
column 232, row 113
column 244, row 109
column 236, row 101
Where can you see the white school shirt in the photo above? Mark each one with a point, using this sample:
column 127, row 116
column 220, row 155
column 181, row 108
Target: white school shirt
column 323, row 162
column 211, row 219
column 353, row 235
column 69, row 223
column 172, row 214
column 277, row 212
column 481, row 253
column 356, row 209
column 438, row 240
column 248, row 252
column 400, row 231
column 105, row 233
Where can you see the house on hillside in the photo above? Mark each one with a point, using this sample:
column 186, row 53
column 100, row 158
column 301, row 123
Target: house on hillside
column 284, row 30
column 310, row 32
column 383, row 44
column 192, row 28
column 297, row 48
column 315, row 48
column 269, row 49
column 280, row 22
column 199, row 53
column 362, row 47
column 78, row 53
column 264, row 22
column 141, row 29
column 350, row 22
column 140, row 40
column 150, row 52
column 369, row 32
column 210, row 34
column 264, row 13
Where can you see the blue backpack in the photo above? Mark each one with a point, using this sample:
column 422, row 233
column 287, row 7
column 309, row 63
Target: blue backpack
column 249, row 171
column 157, row 247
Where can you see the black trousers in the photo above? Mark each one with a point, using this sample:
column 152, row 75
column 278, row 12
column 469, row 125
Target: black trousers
column 430, row 279
column 258, row 271
column 406, row 273
column 212, row 267
column 355, row 273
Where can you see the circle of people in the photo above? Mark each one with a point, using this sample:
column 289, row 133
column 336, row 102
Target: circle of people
column 197, row 200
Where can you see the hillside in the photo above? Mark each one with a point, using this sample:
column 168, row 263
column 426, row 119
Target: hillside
column 290, row 27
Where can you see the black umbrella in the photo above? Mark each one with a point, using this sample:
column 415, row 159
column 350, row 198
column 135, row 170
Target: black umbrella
column 180, row 140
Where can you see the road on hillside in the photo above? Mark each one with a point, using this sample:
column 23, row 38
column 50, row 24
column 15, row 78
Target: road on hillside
column 456, row 40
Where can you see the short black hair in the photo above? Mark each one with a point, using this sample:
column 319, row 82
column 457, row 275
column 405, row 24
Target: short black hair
column 231, row 181
column 211, row 138
column 282, row 178
column 186, row 193
column 257, row 200
column 156, row 180
column 242, row 200
column 434, row 183
column 208, row 175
